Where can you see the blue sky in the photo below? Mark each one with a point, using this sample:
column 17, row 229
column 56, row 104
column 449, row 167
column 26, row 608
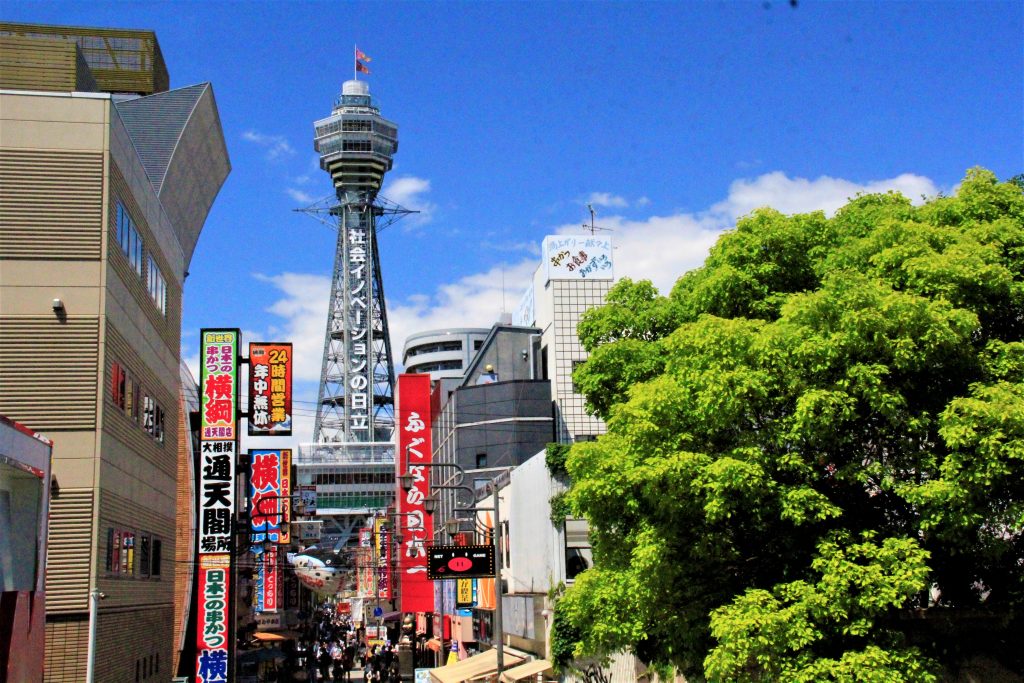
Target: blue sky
column 673, row 119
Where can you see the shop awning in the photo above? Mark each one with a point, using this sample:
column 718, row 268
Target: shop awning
column 525, row 670
column 478, row 666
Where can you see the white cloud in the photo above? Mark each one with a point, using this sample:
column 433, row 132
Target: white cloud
column 473, row 301
column 277, row 146
column 800, row 195
column 408, row 192
column 643, row 201
column 659, row 248
column 300, row 196
column 607, row 199
column 303, row 310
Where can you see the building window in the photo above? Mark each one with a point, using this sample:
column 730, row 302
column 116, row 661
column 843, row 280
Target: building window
column 154, row 557
column 118, row 380
column 129, row 239
column 144, row 554
column 153, row 418
column 477, row 344
column 481, row 460
column 157, row 286
column 578, row 555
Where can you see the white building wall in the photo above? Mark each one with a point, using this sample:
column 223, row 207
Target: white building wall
column 536, row 546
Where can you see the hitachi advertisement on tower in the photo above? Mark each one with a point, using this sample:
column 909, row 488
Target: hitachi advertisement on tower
column 413, row 421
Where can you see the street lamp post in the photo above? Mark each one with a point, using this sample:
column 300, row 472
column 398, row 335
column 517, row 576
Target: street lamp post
column 430, row 504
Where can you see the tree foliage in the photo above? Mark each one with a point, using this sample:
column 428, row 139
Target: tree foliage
column 815, row 436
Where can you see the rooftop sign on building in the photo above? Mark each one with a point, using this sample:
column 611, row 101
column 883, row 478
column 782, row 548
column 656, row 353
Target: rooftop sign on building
column 577, row 257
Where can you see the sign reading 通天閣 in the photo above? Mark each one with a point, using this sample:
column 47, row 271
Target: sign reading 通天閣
column 215, row 501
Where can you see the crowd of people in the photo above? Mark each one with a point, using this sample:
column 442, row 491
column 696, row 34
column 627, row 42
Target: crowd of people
column 336, row 650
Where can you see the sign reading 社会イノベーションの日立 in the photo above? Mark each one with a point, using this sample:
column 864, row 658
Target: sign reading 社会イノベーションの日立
column 215, row 501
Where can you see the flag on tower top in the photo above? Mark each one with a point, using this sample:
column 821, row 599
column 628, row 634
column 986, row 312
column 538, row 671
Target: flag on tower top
column 362, row 68
column 362, row 55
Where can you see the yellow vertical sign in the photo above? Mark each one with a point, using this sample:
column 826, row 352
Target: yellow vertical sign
column 464, row 592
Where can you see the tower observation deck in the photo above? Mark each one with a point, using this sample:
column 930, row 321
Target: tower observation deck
column 356, row 398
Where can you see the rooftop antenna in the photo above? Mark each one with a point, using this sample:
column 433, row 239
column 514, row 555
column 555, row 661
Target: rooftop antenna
column 593, row 227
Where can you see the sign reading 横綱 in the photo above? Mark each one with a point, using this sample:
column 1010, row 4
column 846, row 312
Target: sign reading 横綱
column 270, row 389
column 269, row 491
column 413, row 422
column 215, row 501
column 577, row 257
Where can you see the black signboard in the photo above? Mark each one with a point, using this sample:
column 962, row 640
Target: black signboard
column 460, row 562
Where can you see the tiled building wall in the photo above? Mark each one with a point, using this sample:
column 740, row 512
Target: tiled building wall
column 571, row 299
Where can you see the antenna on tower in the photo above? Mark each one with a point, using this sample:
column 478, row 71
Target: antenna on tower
column 593, row 227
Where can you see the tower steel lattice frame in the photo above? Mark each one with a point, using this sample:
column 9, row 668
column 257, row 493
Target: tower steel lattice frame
column 355, row 402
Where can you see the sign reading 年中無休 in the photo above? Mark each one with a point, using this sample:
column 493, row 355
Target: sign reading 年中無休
column 270, row 389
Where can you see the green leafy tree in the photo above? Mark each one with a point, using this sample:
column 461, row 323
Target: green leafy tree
column 814, row 465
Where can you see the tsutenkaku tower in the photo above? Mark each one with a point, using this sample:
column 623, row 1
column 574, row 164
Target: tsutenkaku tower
column 357, row 379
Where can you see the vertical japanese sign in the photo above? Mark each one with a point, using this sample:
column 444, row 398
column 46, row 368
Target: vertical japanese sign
column 359, row 369
column 269, row 489
column 413, row 418
column 215, row 501
column 271, row 582
column 382, row 538
column 213, row 634
column 270, row 389
column 366, row 580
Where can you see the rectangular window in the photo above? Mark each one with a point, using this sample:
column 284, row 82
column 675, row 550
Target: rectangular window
column 111, row 546
column 578, row 555
column 481, row 460
column 144, row 554
column 153, row 418
column 131, row 399
column 129, row 239
column 128, row 553
column 118, row 379
column 154, row 557
column 157, row 285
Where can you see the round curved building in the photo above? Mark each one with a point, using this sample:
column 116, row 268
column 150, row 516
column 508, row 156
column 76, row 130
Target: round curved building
column 443, row 354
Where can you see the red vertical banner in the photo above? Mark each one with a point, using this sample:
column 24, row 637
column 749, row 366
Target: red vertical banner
column 270, row 580
column 413, row 418
column 213, row 635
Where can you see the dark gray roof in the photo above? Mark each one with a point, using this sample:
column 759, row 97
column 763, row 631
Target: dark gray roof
column 180, row 142
column 155, row 124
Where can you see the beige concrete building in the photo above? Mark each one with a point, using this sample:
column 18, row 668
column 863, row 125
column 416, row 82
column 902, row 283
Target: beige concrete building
column 106, row 179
